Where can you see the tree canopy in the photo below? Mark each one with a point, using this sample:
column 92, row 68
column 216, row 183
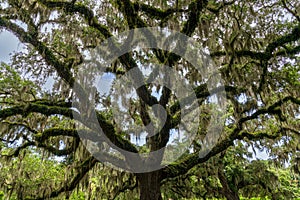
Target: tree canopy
column 49, row 147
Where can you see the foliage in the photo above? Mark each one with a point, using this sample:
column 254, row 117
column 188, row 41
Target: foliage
column 27, row 173
column 255, row 45
column 250, row 178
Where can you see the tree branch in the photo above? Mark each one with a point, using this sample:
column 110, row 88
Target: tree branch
column 268, row 53
column 88, row 14
column 191, row 160
column 156, row 13
column 294, row 13
column 24, row 110
column 85, row 167
column 195, row 9
column 291, row 37
column 44, row 51
column 217, row 9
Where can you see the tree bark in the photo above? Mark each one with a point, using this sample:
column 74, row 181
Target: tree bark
column 228, row 192
column 232, row 196
column 149, row 185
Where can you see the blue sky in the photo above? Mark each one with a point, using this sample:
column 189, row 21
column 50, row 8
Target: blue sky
column 8, row 44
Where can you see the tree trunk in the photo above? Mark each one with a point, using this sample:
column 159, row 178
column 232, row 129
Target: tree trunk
column 232, row 196
column 149, row 185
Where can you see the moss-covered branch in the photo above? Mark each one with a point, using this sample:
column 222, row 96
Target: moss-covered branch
column 183, row 166
column 86, row 12
column 46, row 102
column 195, row 9
column 54, row 132
column 107, row 127
column 191, row 160
column 216, row 8
column 203, row 93
column 269, row 51
column 157, row 13
column 48, row 148
column 59, row 152
column 24, row 110
column 259, row 135
column 83, row 169
column 291, row 37
column 272, row 109
column 242, row 53
column 30, row 37
column 130, row 12
column 111, row 134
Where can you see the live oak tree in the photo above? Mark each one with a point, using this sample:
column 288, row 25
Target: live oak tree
column 254, row 44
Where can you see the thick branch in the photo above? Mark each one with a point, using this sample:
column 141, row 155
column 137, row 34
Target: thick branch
column 44, row 51
column 291, row 37
column 88, row 14
column 156, row 13
column 194, row 159
column 202, row 93
column 265, row 56
column 111, row 134
column 195, row 9
column 130, row 13
column 272, row 109
column 216, row 9
column 24, row 110
column 54, row 132
column 85, row 167
column 59, row 152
